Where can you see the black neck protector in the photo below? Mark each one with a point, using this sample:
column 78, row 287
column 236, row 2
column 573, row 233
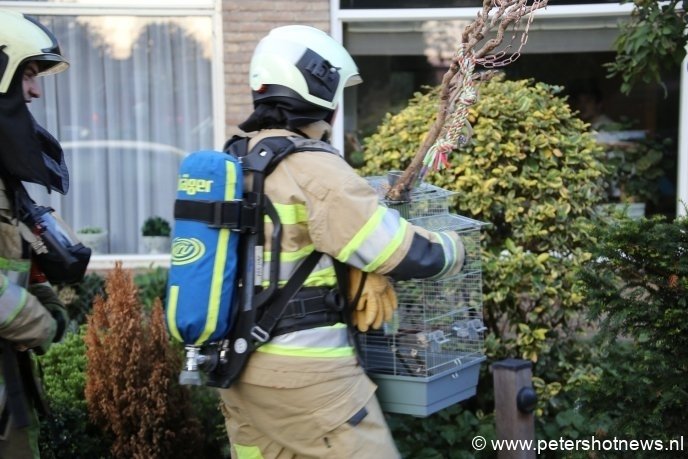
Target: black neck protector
column 27, row 151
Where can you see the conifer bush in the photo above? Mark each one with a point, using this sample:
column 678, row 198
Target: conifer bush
column 131, row 379
column 637, row 288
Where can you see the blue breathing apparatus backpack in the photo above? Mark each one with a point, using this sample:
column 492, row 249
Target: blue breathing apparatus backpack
column 204, row 255
column 216, row 304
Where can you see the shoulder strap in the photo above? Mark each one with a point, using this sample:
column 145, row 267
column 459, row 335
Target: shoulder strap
column 274, row 312
column 268, row 152
column 305, row 144
column 264, row 156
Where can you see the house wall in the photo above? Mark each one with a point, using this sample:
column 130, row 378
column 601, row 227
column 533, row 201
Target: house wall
column 244, row 23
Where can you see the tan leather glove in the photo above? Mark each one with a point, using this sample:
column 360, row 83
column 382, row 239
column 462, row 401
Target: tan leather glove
column 376, row 303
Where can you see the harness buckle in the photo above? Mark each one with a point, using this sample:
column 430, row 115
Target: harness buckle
column 335, row 301
column 259, row 334
column 299, row 308
column 225, row 214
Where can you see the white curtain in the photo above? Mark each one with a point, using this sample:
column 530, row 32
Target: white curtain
column 136, row 98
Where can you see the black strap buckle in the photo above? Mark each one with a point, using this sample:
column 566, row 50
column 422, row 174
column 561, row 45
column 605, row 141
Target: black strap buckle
column 298, row 308
column 334, row 300
column 226, row 214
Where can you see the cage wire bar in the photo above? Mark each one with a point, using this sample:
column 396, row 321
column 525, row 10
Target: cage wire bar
column 427, row 357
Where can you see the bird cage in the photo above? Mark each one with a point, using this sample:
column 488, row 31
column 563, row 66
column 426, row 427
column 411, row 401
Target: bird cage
column 428, row 356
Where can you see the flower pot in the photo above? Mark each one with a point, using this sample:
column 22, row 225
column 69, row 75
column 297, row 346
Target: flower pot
column 97, row 242
column 156, row 244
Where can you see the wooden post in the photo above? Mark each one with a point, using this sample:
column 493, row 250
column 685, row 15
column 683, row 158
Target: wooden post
column 514, row 404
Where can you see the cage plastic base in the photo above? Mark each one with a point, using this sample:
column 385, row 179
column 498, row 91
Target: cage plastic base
column 423, row 396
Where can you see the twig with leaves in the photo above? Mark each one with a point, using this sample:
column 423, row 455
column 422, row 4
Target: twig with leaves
column 457, row 89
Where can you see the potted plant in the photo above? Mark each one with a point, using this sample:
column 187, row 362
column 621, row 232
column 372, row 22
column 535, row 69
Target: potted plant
column 93, row 237
column 156, row 234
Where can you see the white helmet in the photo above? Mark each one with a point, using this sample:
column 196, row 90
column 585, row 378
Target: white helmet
column 24, row 39
column 304, row 60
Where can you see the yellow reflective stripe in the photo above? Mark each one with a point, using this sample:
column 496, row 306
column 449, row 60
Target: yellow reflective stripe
column 390, row 249
column 322, row 278
column 326, row 276
column 16, row 295
column 362, row 234
column 219, row 262
column 290, row 214
column 449, row 258
column 291, row 256
column 172, row 312
column 323, row 352
column 303, row 252
column 216, row 285
column 334, row 340
column 247, row 452
column 5, row 284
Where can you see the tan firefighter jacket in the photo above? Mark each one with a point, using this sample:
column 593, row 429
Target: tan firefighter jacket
column 23, row 320
column 325, row 205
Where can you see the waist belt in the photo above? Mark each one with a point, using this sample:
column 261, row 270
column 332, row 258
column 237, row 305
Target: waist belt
column 310, row 308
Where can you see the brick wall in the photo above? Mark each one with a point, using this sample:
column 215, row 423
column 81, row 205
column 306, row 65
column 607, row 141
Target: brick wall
column 244, row 23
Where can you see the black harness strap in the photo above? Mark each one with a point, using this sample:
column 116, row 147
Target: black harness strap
column 16, row 397
column 273, row 313
column 311, row 307
column 342, row 272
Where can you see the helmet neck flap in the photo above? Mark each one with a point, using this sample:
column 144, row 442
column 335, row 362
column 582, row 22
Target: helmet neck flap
column 27, row 151
column 280, row 107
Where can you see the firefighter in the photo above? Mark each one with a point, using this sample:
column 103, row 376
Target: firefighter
column 31, row 315
column 303, row 393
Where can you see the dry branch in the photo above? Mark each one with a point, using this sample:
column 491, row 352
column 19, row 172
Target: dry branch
column 502, row 14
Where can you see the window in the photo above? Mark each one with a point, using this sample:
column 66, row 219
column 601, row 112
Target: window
column 137, row 98
column 386, row 4
column 398, row 57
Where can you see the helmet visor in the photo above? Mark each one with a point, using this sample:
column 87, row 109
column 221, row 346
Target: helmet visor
column 49, row 64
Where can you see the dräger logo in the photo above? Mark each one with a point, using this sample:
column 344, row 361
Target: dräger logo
column 193, row 185
column 186, row 250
